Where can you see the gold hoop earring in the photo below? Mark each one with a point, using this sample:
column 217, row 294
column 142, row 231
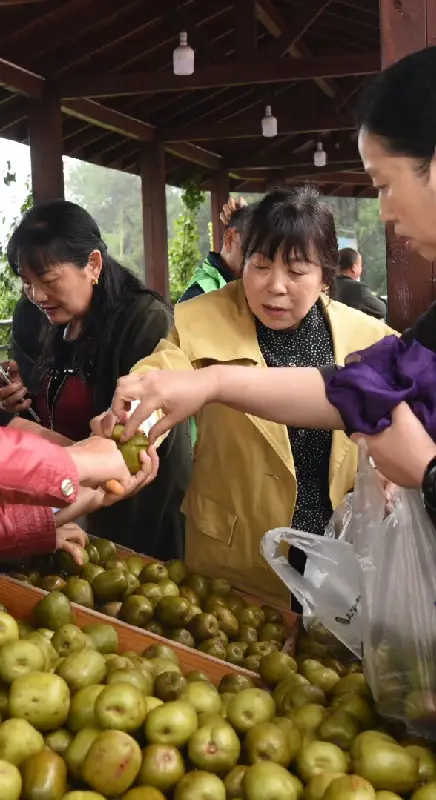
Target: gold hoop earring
column 95, row 282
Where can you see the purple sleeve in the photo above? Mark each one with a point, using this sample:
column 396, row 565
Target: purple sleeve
column 368, row 388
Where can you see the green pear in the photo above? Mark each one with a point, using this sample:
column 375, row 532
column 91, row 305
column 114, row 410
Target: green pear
column 318, row 785
column 112, row 763
column 162, row 767
column 426, row 762
column 267, row 742
column 386, row 765
column 19, row 740
column 202, row 696
column 20, row 657
column 200, row 785
column 214, row 747
column 268, row 781
column 77, row 750
column 121, row 707
column 319, row 757
column 171, row 723
column 42, row 698
column 11, row 782
column 248, row 708
column 349, row 787
column 427, row 792
column 81, row 713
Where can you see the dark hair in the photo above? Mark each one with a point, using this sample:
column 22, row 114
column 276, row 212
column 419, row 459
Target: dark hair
column 62, row 232
column 238, row 219
column 347, row 258
column 399, row 106
column 293, row 221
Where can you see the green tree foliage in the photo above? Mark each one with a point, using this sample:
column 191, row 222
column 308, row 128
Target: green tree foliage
column 114, row 200
column 184, row 252
column 9, row 285
column 371, row 239
column 361, row 217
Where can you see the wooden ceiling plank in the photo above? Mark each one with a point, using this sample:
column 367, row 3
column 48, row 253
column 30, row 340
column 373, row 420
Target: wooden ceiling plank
column 245, row 28
column 292, row 33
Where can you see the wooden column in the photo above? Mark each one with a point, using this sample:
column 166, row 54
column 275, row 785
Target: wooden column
column 46, row 149
column 406, row 26
column 154, row 214
column 219, row 195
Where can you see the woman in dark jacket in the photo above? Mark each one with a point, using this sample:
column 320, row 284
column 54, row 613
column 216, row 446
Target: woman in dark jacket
column 97, row 321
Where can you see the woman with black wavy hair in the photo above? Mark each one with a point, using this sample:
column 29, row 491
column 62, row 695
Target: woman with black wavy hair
column 96, row 321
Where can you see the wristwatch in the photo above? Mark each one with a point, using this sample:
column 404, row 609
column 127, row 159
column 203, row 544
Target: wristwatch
column 428, row 487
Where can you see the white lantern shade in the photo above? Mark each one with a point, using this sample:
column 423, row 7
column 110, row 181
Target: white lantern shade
column 320, row 156
column 183, row 57
column 269, row 124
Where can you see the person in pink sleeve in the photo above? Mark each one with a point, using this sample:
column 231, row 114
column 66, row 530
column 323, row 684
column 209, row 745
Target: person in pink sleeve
column 43, row 487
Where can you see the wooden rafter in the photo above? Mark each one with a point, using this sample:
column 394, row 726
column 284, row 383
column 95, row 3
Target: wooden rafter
column 275, row 22
column 250, row 127
column 286, row 159
column 226, row 74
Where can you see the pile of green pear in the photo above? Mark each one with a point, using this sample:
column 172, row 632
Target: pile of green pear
column 82, row 721
column 165, row 599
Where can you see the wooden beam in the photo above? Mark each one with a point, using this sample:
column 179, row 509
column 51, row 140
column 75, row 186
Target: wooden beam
column 291, row 33
column 226, row 74
column 20, row 80
column 152, row 171
column 283, row 160
column 250, row 127
column 194, row 154
column 220, row 190
column 109, row 119
column 46, row 148
column 245, row 29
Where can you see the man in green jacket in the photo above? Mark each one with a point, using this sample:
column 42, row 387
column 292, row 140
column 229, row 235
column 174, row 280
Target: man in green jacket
column 218, row 269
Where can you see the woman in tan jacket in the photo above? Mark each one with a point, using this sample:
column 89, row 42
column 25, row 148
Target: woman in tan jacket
column 251, row 475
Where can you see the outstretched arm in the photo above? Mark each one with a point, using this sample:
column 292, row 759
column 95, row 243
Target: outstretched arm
column 291, row 396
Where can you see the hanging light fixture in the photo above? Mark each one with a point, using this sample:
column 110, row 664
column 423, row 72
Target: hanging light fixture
column 320, row 155
column 183, row 57
column 269, row 124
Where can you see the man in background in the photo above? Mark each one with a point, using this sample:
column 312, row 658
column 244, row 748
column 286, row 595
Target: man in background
column 218, row 269
column 351, row 291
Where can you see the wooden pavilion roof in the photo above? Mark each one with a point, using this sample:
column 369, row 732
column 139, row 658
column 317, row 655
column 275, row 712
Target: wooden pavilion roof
column 111, row 65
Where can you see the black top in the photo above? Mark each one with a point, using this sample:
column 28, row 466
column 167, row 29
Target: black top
column 309, row 345
column 150, row 522
column 358, row 295
column 215, row 259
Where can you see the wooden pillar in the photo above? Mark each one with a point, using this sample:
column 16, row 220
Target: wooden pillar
column 406, row 26
column 154, row 214
column 46, row 149
column 219, row 195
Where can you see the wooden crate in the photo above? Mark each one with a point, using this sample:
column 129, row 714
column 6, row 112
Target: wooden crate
column 21, row 598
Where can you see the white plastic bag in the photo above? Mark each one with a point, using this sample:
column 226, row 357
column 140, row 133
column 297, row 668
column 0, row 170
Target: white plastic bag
column 398, row 562
column 330, row 589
